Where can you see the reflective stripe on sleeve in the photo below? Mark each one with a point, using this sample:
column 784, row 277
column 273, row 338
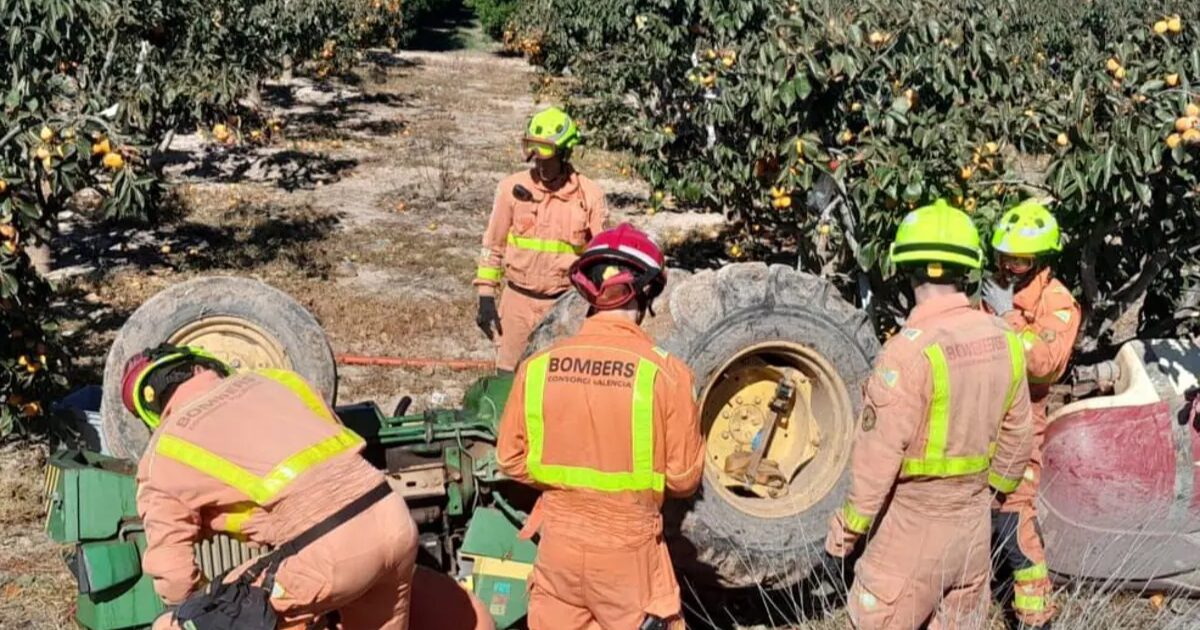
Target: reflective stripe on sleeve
column 855, row 521
column 1003, row 484
column 489, row 274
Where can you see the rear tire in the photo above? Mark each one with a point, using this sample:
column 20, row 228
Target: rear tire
column 710, row 318
column 261, row 327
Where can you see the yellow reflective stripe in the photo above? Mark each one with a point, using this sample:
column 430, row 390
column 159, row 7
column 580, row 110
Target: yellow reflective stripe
column 491, row 274
column 543, row 245
column 1029, row 574
column 946, row 467
column 601, row 481
column 935, row 463
column 235, row 520
column 260, row 490
column 1029, row 603
column 535, row 425
column 1017, row 356
column 1029, row 339
column 642, row 417
column 292, row 467
column 1003, row 484
column 301, row 389
column 939, row 405
column 641, row 477
column 855, row 521
column 212, row 465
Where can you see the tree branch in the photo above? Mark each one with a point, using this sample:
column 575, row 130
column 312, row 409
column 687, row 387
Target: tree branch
column 1087, row 267
column 1137, row 286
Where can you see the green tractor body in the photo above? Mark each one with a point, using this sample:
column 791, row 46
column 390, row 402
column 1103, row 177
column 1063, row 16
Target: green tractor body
column 442, row 462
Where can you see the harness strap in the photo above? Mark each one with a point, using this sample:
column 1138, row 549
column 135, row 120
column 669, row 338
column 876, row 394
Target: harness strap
column 271, row 561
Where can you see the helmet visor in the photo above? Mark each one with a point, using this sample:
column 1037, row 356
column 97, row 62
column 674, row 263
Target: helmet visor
column 1016, row 264
column 539, row 148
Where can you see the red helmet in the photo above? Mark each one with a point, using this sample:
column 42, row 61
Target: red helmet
column 638, row 269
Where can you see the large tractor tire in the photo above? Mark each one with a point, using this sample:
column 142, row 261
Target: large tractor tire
column 246, row 323
column 740, row 329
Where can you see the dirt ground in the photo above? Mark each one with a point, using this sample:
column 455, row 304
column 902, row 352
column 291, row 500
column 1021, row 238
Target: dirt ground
column 368, row 210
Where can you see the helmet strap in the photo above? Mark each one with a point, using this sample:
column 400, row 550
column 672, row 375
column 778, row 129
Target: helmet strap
column 162, row 384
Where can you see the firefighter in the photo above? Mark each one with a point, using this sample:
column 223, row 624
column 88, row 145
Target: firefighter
column 946, row 415
column 260, row 456
column 1043, row 313
column 541, row 219
column 606, row 425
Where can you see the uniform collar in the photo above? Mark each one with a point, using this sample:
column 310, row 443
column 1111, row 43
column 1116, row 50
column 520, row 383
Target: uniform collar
column 937, row 307
column 566, row 191
column 1027, row 298
column 192, row 389
column 609, row 325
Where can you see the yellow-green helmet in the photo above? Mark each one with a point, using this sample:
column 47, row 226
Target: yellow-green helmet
column 149, row 375
column 936, row 234
column 550, row 132
column 1028, row 229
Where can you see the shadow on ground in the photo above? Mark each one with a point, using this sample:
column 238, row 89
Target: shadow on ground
column 75, row 304
column 444, row 31
column 244, row 237
column 289, row 169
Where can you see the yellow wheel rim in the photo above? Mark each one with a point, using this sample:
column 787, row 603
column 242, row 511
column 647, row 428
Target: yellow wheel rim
column 809, row 446
column 241, row 344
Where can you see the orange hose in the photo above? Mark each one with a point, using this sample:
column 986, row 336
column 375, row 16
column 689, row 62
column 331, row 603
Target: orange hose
column 454, row 364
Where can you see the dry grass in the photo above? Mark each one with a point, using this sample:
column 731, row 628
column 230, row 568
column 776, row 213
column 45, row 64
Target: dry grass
column 1083, row 605
column 35, row 587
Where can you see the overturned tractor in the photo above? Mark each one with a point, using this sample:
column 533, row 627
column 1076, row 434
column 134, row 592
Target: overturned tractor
column 778, row 357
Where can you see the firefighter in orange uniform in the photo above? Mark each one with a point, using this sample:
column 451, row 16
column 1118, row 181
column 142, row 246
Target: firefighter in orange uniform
column 606, row 425
column 946, row 416
column 259, row 455
column 541, row 219
column 1046, row 317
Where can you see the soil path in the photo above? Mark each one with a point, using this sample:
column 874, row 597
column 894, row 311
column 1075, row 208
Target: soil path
column 367, row 208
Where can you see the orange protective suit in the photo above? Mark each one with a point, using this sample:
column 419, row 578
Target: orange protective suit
column 259, row 455
column 1047, row 318
column 947, row 390
column 606, row 424
column 530, row 244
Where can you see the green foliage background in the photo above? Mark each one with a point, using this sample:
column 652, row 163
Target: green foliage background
column 816, row 124
column 94, row 89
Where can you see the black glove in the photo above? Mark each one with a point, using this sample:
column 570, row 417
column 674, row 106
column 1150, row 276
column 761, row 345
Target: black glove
column 828, row 581
column 653, row 623
column 488, row 317
column 835, row 570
